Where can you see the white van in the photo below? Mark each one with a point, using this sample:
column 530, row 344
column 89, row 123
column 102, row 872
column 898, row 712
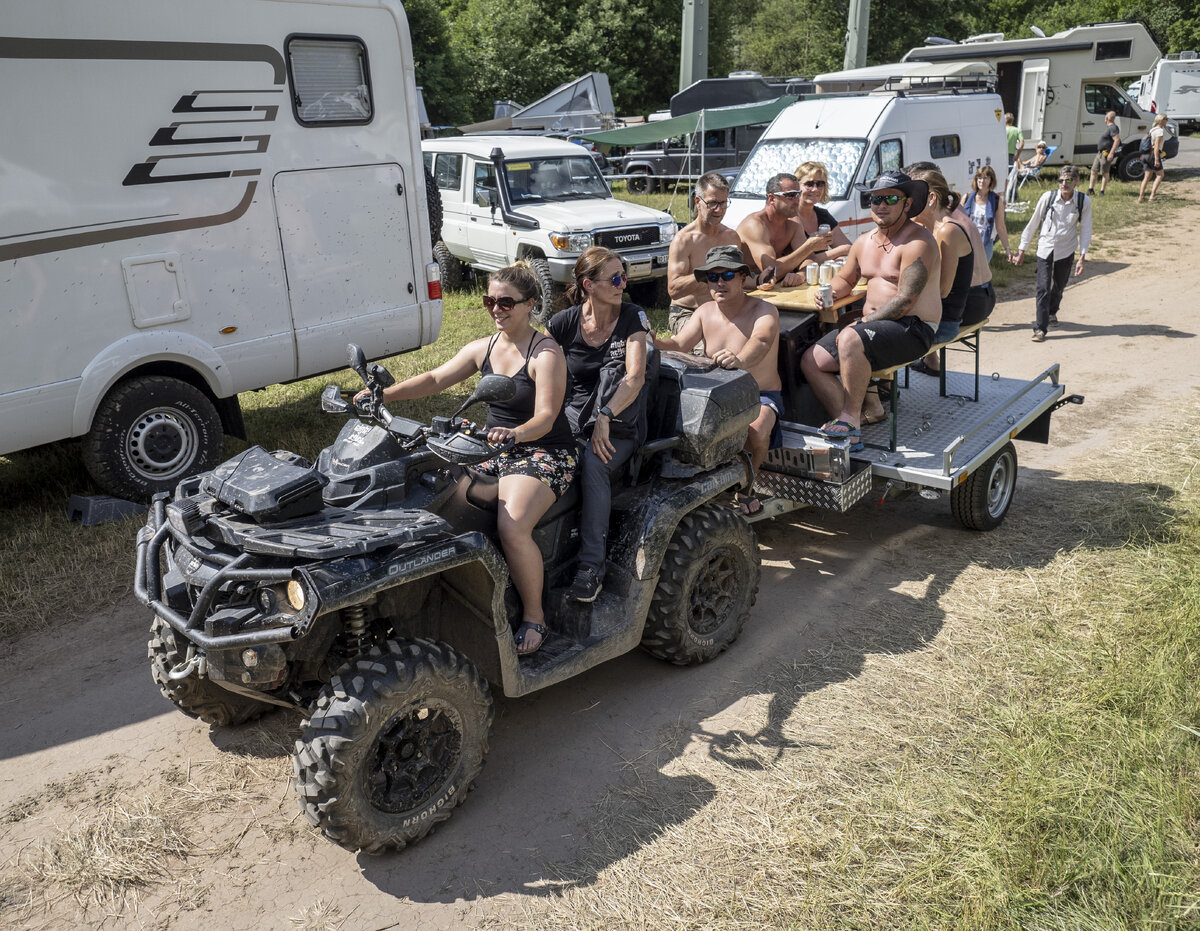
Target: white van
column 1060, row 87
column 858, row 136
column 1173, row 87
column 198, row 199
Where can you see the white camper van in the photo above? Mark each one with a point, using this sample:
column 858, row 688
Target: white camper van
column 1173, row 87
column 1060, row 87
column 198, row 199
column 857, row 136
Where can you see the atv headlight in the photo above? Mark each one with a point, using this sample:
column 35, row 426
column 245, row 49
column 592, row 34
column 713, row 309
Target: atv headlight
column 571, row 242
column 296, row 595
column 666, row 231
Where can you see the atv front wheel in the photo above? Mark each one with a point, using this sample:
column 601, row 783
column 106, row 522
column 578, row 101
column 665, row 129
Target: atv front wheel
column 707, row 585
column 393, row 746
column 193, row 695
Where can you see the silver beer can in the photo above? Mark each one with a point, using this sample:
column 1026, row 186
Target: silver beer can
column 812, row 272
column 826, row 293
column 827, row 272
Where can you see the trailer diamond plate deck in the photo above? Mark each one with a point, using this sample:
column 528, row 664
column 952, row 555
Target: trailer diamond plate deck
column 941, row 440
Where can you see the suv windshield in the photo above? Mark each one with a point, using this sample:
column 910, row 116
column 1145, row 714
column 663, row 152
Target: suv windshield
column 840, row 157
column 561, row 178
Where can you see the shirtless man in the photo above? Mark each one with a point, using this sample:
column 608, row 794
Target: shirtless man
column 740, row 332
column 774, row 236
column 691, row 245
column 903, row 307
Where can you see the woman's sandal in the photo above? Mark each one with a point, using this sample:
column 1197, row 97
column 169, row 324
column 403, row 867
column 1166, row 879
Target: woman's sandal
column 519, row 637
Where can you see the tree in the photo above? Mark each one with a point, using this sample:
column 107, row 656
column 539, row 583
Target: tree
column 438, row 70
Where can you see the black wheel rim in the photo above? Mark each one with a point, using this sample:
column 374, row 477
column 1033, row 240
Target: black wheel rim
column 713, row 592
column 412, row 758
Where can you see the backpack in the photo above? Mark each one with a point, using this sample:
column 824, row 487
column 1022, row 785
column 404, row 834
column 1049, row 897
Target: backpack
column 1147, row 146
column 1170, row 146
column 1049, row 195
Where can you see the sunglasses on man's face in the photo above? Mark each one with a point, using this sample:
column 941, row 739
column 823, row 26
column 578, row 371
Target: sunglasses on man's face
column 504, row 303
column 791, row 194
column 714, row 277
column 890, row 199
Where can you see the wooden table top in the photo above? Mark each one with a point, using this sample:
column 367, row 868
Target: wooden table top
column 804, row 297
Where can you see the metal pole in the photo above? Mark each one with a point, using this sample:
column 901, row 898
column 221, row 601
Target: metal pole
column 693, row 45
column 858, row 21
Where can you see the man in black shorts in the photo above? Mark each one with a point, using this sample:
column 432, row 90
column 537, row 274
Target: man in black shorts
column 903, row 307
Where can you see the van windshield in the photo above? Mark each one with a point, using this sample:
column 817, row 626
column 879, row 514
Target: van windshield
column 770, row 157
column 560, row 178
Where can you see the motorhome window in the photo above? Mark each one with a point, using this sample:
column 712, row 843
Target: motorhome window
column 888, row 156
column 944, row 146
column 485, row 191
column 448, row 171
column 561, row 178
column 840, row 156
column 1100, row 98
column 330, row 81
column 1113, row 51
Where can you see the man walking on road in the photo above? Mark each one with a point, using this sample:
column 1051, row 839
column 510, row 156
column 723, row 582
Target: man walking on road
column 1062, row 220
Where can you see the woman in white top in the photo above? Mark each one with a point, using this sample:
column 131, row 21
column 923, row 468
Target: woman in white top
column 1153, row 160
column 986, row 210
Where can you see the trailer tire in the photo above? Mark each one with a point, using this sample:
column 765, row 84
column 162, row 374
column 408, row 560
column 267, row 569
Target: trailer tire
column 150, row 432
column 450, row 269
column 982, row 501
column 434, row 197
column 1130, row 168
column 393, row 745
column 706, row 587
column 195, row 696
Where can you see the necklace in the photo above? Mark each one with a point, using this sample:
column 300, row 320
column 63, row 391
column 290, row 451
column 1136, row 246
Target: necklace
column 887, row 247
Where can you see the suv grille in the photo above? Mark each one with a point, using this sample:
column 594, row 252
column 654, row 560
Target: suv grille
column 628, row 238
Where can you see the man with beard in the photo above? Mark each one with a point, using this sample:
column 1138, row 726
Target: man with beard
column 774, row 237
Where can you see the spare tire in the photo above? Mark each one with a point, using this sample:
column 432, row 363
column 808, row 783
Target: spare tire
column 434, row 196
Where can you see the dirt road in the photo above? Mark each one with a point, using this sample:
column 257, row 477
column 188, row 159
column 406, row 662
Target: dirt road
column 93, row 759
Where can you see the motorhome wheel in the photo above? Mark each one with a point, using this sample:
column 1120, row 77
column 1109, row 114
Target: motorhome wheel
column 1130, row 168
column 393, row 745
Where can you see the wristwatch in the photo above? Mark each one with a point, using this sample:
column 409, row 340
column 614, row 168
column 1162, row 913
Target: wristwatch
column 607, row 412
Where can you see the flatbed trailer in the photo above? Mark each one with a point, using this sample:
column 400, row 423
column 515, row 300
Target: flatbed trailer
column 945, row 444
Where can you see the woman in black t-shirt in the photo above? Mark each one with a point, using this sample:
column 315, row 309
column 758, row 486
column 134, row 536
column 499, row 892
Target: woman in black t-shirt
column 604, row 342
column 540, row 467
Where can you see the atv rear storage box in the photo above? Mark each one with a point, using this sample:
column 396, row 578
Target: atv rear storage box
column 715, row 408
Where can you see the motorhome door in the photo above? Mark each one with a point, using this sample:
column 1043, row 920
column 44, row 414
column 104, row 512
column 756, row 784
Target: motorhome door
column 336, row 224
column 1031, row 116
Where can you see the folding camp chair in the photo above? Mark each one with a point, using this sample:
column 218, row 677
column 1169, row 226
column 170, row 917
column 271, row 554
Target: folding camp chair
column 1018, row 177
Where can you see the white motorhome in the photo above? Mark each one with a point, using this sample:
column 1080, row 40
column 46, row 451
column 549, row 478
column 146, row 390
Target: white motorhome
column 1060, row 87
column 1173, row 87
column 199, row 199
column 859, row 135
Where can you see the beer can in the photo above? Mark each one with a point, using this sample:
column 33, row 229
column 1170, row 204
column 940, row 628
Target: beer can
column 827, row 272
column 826, row 292
column 812, row 272
column 822, row 229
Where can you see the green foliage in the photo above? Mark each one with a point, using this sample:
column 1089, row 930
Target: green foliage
column 438, row 68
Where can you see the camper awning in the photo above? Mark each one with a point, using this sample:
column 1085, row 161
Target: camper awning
column 716, row 118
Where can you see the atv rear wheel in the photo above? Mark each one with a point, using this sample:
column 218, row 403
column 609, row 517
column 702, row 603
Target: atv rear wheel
column 707, row 585
column 195, row 696
column 393, row 745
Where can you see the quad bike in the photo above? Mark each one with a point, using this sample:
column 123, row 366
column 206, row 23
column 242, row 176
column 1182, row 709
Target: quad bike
column 372, row 595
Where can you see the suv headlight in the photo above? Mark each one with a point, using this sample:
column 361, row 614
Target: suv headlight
column 571, row 242
column 666, row 231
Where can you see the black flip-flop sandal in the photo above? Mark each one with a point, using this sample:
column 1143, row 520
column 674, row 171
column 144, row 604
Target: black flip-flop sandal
column 519, row 637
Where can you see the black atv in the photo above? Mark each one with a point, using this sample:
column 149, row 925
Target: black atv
column 372, row 595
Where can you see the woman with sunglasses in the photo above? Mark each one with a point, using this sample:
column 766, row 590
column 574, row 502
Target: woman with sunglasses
column 604, row 342
column 814, row 191
column 536, row 471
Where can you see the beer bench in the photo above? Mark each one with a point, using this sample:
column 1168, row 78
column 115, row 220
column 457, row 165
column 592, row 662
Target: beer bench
column 967, row 336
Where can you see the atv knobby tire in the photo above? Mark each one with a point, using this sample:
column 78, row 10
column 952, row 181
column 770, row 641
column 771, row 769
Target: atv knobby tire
column 194, row 696
column 393, row 745
column 707, row 585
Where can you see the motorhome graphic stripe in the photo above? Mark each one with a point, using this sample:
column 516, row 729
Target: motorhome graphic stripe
column 77, row 240
column 124, row 49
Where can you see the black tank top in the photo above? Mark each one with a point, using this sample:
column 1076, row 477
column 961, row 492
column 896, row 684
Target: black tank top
column 517, row 411
column 954, row 302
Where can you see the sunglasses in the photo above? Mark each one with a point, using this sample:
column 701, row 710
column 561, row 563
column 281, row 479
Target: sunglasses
column 619, row 280
column 714, row 277
column 890, row 199
column 791, row 194
column 813, row 184
column 1066, row 180
column 504, row 303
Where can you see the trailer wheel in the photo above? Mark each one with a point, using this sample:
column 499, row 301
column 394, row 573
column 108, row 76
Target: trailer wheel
column 393, row 745
column 434, row 197
column 1131, row 168
column 981, row 502
column 706, row 588
column 450, row 269
column 150, row 432
column 194, row 696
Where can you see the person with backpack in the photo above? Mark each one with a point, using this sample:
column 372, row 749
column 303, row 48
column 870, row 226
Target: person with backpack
column 1062, row 220
column 1152, row 156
